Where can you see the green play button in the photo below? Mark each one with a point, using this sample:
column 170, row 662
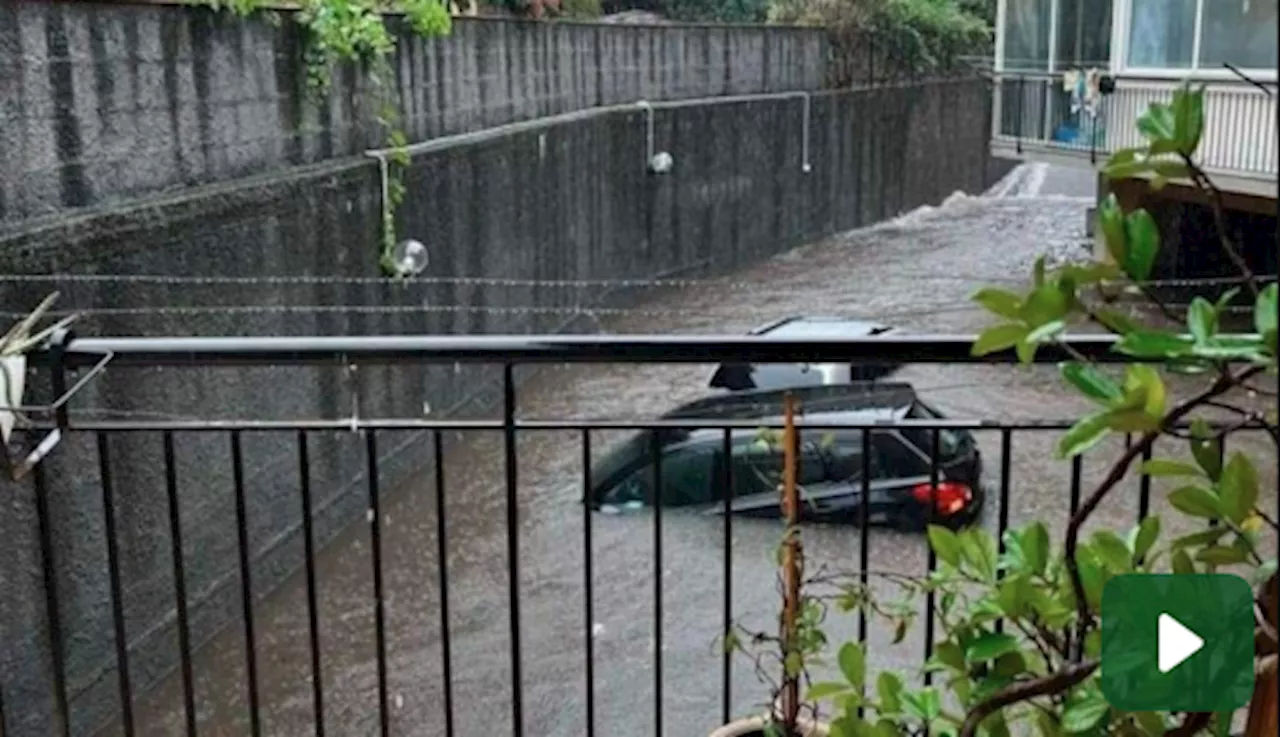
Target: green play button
column 1177, row 642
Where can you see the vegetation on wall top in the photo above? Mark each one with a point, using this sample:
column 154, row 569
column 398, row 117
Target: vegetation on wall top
column 924, row 36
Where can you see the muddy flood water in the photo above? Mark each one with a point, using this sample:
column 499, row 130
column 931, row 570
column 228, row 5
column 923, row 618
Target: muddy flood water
column 916, row 273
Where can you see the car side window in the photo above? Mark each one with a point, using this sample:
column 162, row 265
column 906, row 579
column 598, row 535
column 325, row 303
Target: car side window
column 756, row 469
column 690, row 475
column 896, row 459
column 842, row 460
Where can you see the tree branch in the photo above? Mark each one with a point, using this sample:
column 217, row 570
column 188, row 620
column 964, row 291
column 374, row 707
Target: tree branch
column 1192, row 723
column 1023, row 690
column 1117, row 473
column 1202, row 180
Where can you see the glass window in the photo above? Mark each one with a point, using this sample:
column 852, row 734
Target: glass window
column 1162, row 33
column 1026, row 38
column 897, row 460
column 1084, row 34
column 1238, row 32
column 756, row 469
column 689, row 476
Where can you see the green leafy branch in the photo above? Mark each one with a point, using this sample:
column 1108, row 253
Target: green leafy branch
column 1021, row 648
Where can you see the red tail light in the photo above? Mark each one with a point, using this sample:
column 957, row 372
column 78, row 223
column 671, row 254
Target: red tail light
column 950, row 497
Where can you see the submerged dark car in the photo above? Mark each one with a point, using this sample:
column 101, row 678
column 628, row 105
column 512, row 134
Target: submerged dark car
column 746, row 376
column 696, row 471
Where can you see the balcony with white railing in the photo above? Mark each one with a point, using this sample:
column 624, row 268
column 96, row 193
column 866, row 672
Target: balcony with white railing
column 1073, row 76
column 1037, row 118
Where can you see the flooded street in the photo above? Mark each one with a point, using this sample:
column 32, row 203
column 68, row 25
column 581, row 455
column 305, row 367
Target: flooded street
column 916, row 273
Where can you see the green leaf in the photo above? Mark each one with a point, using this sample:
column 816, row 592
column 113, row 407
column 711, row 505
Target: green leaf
column 1085, row 434
column 1151, row 723
column 1204, row 537
column 945, row 544
column 1046, row 332
column 1158, row 123
column 1092, row 575
column 1143, row 344
column 1112, row 551
column 853, row 663
column 1206, row 448
column 1169, row 467
column 1111, row 224
column 1196, row 501
column 1091, row 382
column 1220, row 555
column 1035, row 546
column 991, row 646
column 1239, row 488
column 1037, row 273
column 826, row 689
column 999, row 338
column 979, row 550
column 1117, row 322
column 1144, row 536
column 888, row 688
column 999, row 301
column 1182, row 562
column 1046, row 724
column 1264, row 310
column 1026, row 351
column 1046, row 304
column 1188, row 115
column 1143, row 240
column 1202, row 320
column 1147, row 379
column 1085, row 713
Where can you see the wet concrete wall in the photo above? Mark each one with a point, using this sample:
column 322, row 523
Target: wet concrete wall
column 562, row 199
column 101, row 102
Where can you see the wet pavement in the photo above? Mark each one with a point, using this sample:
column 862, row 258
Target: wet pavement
column 916, row 273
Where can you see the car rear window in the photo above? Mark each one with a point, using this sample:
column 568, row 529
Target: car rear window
column 950, row 442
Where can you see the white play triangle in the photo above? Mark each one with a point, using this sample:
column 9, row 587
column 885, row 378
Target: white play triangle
column 1175, row 643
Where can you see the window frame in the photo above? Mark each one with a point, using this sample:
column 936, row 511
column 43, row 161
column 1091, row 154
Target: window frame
column 1120, row 53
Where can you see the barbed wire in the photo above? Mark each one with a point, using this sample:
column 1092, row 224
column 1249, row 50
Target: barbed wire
column 520, row 282
column 520, row 310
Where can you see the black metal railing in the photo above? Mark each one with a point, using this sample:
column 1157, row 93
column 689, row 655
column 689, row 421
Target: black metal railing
column 1034, row 109
column 70, row 357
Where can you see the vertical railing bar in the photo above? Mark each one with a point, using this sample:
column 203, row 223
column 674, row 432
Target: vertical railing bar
column 588, row 604
column 379, row 598
column 313, row 608
column 656, row 447
column 726, row 664
column 864, row 529
column 513, row 543
column 179, row 582
column 113, row 574
column 1022, row 89
column 1076, row 468
column 442, row 556
column 864, row 544
column 1144, row 488
column 61, row 705
column 930, row 603
column 246, row 581
column 1002, row 525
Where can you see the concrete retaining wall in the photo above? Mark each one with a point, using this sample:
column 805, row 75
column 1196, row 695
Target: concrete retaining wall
column 102, row 102
column 566, row 199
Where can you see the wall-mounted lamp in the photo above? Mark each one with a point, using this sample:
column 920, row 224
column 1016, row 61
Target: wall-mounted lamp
column 409, row 258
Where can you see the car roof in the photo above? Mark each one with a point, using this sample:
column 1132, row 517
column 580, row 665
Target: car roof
column 854, row 401
column 820, row 326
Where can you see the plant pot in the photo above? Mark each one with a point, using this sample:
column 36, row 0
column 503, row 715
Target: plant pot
column 755, row 726
column 13, row 375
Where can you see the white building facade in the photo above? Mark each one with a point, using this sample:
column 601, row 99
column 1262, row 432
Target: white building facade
column 1072, row 76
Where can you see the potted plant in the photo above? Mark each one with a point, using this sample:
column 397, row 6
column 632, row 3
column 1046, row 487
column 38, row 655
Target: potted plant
column 14, row 346
column 1022, row 633
column 799, row 636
